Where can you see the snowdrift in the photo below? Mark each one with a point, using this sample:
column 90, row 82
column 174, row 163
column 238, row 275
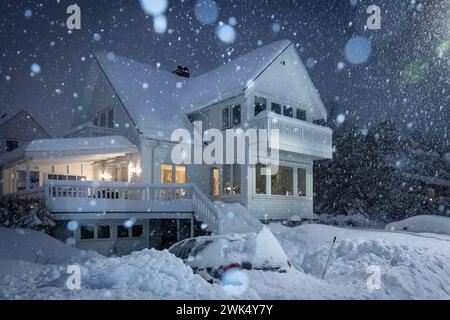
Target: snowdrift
column 412, row 266
column 36, row 247
column 431, row 224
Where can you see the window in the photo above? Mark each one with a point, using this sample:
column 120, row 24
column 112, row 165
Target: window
column 103, row 120
column 227, row 179
column 301, row 182
column 260, row 179
column 276, row 108
column 237, row 115
column 225, row 118
column 260, row 105
column 96, row 122
column 231, row 179
column 166, row 173
column 301, row 114
column 11, row 145
column 111, row 119
column 122, row 232
column 283, row 182
column 236, row 179
column 288, row 111
column 215, row 182
column 103, row 232
column 87, row 232
column 137, row 231
column 180, row 174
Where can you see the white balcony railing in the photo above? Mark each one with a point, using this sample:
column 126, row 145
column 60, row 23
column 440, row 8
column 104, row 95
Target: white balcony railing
column 89, row 130
column 95, row 196
column 297, row 136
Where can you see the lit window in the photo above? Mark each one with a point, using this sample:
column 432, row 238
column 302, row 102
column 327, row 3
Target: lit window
column 260, row 105
column 166, row 173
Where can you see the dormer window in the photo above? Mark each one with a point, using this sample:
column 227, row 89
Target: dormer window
column 231, row 116
column 260, row 105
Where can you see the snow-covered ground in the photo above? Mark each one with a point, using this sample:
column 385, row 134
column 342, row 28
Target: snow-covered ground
column 412, row 266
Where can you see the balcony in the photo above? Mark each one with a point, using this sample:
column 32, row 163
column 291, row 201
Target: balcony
column 297, row 136
column 89, row 130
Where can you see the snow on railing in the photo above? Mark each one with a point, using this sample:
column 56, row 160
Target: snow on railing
column 296, row 133
column 203, row 208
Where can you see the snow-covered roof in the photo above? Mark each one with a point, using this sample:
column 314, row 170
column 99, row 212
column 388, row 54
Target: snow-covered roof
column 159, row 101
column 79, row 146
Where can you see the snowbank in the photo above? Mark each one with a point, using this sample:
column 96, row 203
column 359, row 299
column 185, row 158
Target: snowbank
column 355, row 220
column 431, row 224
column 412, row 266
column 36, row 247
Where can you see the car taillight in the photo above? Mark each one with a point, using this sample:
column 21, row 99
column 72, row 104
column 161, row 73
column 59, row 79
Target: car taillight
column 231, row 266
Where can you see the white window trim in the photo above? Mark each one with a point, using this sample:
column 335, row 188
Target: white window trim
column 295, row 195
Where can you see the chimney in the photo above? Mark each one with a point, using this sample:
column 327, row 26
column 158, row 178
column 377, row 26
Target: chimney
column 182, row 71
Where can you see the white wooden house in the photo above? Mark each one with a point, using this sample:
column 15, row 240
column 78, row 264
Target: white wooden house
column 113, row 174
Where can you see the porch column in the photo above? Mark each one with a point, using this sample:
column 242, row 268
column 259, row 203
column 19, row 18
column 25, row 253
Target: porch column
column 27, row 176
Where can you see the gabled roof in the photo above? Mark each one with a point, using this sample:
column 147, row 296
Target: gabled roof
column 6, row 117
column 158, row 101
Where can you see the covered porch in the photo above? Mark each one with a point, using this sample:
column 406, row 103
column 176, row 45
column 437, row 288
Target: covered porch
column 112, row 158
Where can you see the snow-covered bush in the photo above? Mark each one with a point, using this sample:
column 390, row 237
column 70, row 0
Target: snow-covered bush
column 25, row 213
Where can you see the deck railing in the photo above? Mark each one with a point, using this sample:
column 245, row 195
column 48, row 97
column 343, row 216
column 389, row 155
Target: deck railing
column 115, row 192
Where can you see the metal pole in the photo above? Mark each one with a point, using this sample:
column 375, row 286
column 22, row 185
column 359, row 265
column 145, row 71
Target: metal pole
column 328, row 259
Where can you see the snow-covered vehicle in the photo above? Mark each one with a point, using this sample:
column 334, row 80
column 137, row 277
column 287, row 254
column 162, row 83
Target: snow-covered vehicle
column 212, row 256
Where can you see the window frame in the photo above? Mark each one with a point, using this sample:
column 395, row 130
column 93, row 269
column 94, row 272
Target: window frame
column 232, row 169
column 227, row 124
column 256, row 104
column 295, row 183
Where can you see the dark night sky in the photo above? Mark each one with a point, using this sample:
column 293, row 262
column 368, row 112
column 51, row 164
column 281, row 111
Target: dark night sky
column 407, row 76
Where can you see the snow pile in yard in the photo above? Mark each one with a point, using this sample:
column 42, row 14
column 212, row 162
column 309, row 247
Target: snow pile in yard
column 433, row 224
column 411, row 266
column 148, row 274
column 36, row 247
column 234, row 218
